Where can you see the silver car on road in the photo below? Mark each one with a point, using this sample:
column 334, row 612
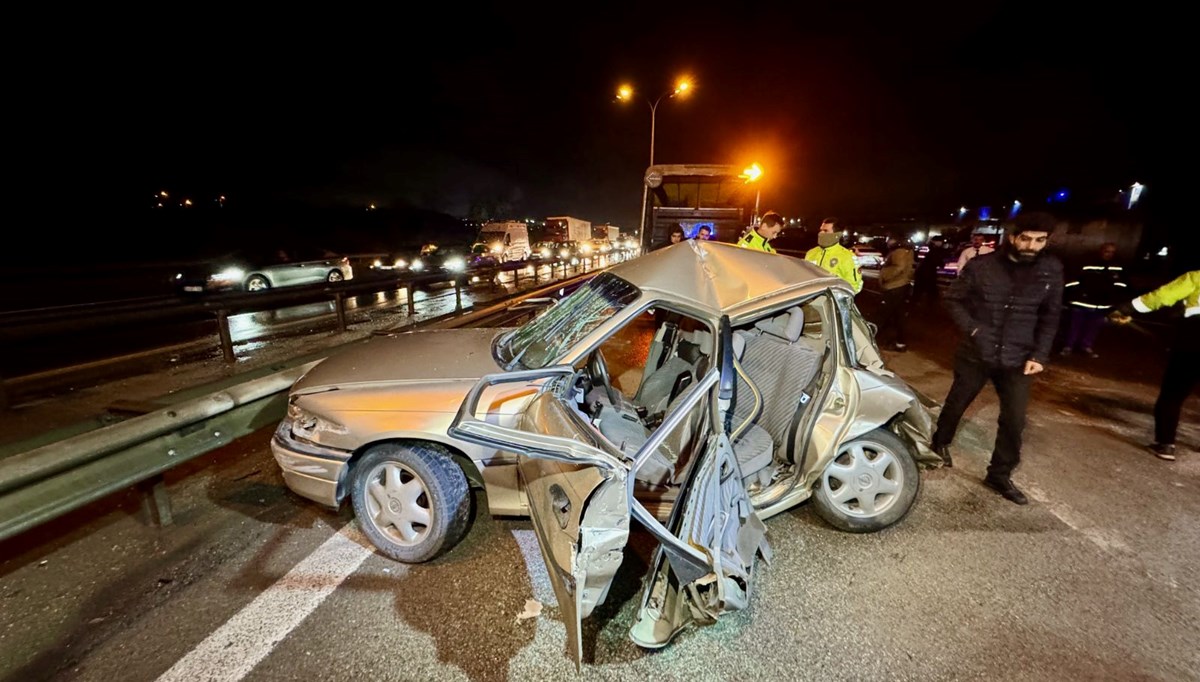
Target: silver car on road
column 699, row 389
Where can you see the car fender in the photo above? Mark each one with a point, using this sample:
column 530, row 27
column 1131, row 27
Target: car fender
column 881, row 397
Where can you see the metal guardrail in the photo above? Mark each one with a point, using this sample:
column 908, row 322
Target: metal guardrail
column 82, row 318
column 50, row 479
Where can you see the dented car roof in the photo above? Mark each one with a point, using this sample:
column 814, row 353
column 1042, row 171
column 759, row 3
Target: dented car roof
column 723, row 278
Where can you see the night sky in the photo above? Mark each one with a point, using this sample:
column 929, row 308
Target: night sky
column 854, row 113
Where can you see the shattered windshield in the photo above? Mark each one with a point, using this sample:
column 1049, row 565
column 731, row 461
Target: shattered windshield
column 549, row 335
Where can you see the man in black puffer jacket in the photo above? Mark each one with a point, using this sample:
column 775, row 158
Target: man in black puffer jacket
column 1007, row 305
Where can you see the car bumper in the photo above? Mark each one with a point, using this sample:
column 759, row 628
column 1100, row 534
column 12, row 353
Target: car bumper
column 310, row 470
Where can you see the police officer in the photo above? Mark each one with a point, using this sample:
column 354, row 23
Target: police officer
column 767, row 229
column 832, row 256
column 1183, row 362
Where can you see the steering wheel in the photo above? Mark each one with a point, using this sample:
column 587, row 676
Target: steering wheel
column 598, row 369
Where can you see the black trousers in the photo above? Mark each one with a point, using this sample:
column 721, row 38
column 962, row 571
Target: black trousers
column 893, row 314
column 1181, row 377
column 925, row 290
column 970, row 376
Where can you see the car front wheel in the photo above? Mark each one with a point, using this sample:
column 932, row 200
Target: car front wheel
column 335, row 276
column 411, row 500
column 871, row 484
column 258, row 283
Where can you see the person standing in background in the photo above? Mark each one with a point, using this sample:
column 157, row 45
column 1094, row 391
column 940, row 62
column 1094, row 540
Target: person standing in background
column 831, row 256
column 977, row 248
column 1099, row 287
column 895, row 279
column 925, row 280
column 758, row 236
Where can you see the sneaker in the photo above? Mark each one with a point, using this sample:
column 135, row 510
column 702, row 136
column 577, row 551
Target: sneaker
column 1006, row 489
column 1162, row 451
column 1091, row 353
column 944, row 452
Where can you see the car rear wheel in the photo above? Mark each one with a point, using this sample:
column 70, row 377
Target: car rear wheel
column 257, row 283
column 411, row 500
column 871, row 484
column 335, row 276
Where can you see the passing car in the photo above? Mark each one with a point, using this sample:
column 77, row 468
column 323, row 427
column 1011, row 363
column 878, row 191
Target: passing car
column 263, row 270
column 544, row 251
column 399, row 261
column 867, row 257
column 698, row 390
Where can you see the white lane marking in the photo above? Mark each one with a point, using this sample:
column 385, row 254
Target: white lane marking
column 243, row 641
column 543, row 591
column 1107, row 541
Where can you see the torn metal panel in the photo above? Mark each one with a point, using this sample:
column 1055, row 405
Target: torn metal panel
column 717, row 517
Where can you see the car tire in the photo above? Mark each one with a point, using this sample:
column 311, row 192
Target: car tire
column 853, row 492
column 257, row 283
column 426, row 512
column 335, row 276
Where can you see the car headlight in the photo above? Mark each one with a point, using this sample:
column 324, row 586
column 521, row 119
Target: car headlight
column 228, row 275
column 310, row 426
column 563, row 253
column 456, row 264
column 377, row 264
column 545, row 253
column 417, row 265
column 496, row 248
column 585, row 249
column 401, row 264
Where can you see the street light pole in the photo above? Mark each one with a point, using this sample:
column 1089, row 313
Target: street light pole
column 625, row 94
column 752, row 174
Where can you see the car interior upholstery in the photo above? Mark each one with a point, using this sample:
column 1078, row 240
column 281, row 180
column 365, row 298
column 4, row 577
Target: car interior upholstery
column 776, row 363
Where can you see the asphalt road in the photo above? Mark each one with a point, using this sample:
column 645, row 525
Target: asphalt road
column 1095, row 579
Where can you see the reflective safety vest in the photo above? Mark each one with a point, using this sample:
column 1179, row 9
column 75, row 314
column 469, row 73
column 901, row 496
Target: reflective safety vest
column 1185, row 288
column 753, row 240
column 838, row 260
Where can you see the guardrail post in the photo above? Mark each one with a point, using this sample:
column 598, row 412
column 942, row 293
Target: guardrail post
column 226, row 339
column 156, row 505
column 457, row 293
column 408, row 294
column 517, row 276
column 339, row 301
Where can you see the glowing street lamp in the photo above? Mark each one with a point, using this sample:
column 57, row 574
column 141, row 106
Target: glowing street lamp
column 752, row 174
column 626, row 93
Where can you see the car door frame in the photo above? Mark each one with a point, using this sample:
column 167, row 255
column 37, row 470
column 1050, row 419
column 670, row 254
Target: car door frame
column 689, row 563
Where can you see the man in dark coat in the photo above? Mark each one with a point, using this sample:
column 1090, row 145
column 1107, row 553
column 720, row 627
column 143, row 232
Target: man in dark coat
column 925, row 280
column 1007, row 305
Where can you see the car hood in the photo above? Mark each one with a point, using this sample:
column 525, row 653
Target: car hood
column 433, row 355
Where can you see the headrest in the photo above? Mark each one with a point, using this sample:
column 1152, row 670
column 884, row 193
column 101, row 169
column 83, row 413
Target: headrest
column 702, row 338
column 788, row 326
column 688, row 351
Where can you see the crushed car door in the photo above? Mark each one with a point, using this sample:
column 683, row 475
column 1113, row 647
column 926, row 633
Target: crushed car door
column 576, row 486
column 707, row 550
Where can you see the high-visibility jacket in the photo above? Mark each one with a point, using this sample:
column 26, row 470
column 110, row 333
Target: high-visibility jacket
column 1185, row 288
column 1099, row 287
column 753, row 240
column 838, row 260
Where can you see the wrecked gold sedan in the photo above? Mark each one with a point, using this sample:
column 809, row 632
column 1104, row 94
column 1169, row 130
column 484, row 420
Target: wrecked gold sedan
column 699, row 389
